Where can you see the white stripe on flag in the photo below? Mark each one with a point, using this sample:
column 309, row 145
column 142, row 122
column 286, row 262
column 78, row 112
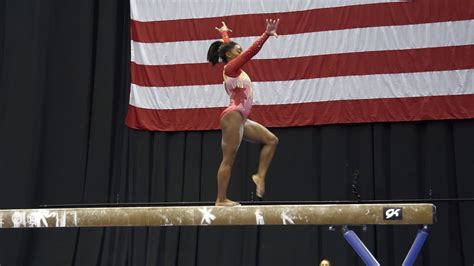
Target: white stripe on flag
column 159, row 10
column 327, row 42
column 437, row 83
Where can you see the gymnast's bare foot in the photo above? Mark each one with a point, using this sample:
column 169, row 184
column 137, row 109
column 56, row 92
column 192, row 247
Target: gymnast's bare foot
column 227, row 203
column 260, row 183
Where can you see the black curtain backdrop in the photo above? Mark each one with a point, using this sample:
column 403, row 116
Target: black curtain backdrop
column 64, row 84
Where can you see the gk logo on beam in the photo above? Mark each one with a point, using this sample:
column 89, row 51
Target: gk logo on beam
column 393, row 213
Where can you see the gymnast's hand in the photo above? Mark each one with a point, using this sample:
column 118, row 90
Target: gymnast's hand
column 272, row 26
column 223, row 28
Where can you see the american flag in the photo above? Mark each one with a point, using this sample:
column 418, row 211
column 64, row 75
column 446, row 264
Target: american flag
column 335, row 61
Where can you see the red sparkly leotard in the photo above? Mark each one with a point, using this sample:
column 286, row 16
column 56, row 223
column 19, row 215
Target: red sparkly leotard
column 237, row 83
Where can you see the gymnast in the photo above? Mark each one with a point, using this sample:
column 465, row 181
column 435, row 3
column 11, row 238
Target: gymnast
column 234, row 122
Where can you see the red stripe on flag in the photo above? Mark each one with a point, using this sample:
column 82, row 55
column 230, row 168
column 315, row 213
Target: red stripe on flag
column 363, row 63
column 358, row 16
column 334, row 112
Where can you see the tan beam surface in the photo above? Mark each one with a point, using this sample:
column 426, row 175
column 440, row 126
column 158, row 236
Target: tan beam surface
column 337, row 214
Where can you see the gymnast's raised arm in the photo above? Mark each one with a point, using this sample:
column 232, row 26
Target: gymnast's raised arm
column 234, row 65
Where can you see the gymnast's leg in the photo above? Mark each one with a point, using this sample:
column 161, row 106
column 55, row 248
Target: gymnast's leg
column 232, row 128
column 254, row 132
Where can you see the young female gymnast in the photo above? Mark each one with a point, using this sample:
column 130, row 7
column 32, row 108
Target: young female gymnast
column 234, row 123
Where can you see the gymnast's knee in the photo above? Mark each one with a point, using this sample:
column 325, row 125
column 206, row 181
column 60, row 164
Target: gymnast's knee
column 272, row 140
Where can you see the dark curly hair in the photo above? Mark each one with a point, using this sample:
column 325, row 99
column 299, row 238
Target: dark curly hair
column 217, row 50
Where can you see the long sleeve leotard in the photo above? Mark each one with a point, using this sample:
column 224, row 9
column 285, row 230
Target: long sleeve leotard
column 237, row 83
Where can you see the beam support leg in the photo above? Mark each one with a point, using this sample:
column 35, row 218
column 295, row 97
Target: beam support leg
column 359, row 247
column 415, row 249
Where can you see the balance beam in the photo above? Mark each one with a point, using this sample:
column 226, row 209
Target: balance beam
column 328, row 214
